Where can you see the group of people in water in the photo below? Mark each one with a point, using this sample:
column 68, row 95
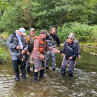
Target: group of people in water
column 39, row 48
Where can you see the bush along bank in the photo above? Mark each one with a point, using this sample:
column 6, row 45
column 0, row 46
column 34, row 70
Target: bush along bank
column 90, row 48
column 83, row 32
column 86, row 34
column 4, row 55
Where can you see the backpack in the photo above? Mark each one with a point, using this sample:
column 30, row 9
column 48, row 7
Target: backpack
column 31, row 44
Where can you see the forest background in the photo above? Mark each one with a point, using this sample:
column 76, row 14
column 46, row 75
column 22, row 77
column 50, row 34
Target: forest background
column 77, row 16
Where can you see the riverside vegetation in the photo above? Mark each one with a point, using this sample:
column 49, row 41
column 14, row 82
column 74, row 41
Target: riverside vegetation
column 77, row 16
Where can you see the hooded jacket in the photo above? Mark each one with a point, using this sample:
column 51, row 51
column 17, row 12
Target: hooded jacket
column 70, row 50
column 13, row 42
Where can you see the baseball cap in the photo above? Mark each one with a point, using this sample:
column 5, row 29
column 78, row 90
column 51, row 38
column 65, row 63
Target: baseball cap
column 71, row 37
column 23, row 31
column 43, row 32
column 72, row 34
column 32, row 29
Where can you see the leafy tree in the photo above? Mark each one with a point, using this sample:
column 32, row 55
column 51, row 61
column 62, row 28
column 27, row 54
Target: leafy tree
column 16, row 16
column 43, row 14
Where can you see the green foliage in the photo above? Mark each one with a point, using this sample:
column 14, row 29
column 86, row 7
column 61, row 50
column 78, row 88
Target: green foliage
column 3, row 4
column 82, row 32
column 14, row 17
column 59, row 12
column 3, row 55
column 43, row 14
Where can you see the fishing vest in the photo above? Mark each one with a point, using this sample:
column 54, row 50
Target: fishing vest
column 31, row 44
column 42, row 45
column 52, row 42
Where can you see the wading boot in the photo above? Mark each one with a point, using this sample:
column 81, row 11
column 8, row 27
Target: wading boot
column 54, row 69
column 17, row 79
column 70, row 74
column 17, row 76
column 42, row 73
column 23, row 73
column 35, row 77
column 47, row 68
column 62, row 73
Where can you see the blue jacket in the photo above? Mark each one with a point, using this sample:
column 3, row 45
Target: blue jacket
column 70, row 50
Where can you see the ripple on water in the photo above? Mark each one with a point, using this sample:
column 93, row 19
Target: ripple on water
column 83, row 84
column 93, row 73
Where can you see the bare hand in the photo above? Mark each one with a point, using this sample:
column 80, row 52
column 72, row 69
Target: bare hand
column 70, row 58
column 57, row 51
column 18, row 47
column 42, row 57
column 57, row 48
column 50, row 48
column 79, row 56
column 23, row 51
column 63, row 55
column 28, row 53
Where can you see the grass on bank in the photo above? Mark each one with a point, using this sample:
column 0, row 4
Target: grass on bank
column 4, row 35
column 4, row 56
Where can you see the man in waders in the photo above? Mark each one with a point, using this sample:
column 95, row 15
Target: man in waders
column 71, row 52
column 38, row 54
column 30, row 40
column 52, row 40
column 17, row 45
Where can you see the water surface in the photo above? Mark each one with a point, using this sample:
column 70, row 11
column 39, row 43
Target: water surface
column 83, row 84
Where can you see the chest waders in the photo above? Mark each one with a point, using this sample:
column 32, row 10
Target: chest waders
column 51, row 45
column 30, row 49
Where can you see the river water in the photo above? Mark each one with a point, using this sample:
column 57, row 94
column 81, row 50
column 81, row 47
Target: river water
column 82, row 84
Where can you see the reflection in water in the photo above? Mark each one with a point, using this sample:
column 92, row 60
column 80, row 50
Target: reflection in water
column 83, row 84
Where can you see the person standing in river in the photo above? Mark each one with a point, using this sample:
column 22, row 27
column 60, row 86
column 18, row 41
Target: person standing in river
column 77, row 44
column 30, row 40
column 38, row 54
column 71, row 52
column 17, row 45
column 52, row 40
column 78, row 47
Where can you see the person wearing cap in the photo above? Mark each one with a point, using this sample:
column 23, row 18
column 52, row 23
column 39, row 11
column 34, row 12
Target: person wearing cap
column 30, row 40
column 52, row 40
column 17, row 45
column 70, row 51
column 77, row 44
column 38, row 54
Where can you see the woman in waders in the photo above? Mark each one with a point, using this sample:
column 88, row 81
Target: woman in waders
column 71, row 52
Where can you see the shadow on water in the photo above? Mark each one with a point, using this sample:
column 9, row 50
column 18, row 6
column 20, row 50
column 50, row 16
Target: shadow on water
column 83, row 84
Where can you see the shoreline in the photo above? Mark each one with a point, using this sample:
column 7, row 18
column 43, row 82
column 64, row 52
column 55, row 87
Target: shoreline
column 87, row 47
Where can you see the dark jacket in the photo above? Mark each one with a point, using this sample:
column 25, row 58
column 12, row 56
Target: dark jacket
column 70, row 50
column 13, row 42
column 78, row 46
column 54, row 37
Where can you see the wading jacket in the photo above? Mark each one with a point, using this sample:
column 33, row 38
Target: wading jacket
column 30, row 41
column 13, row 42
column 39, row 48
column 53, row 40
column 70, row 50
